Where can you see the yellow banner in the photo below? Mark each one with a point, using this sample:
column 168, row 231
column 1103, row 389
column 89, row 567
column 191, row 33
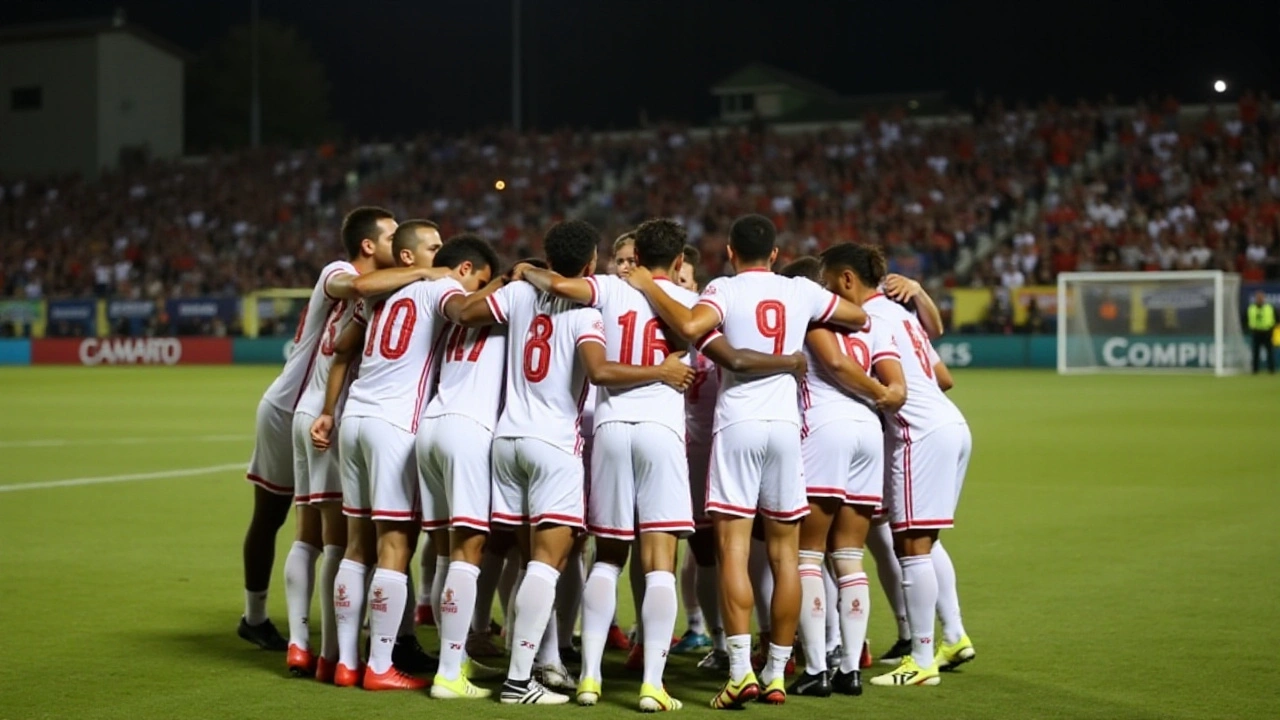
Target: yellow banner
column 969, row 306
column 1044, row 296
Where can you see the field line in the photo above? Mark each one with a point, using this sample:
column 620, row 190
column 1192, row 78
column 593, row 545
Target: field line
column 63, row 442
column 105, row 479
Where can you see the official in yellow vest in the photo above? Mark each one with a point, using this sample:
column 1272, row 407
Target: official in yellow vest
column 1262, row 320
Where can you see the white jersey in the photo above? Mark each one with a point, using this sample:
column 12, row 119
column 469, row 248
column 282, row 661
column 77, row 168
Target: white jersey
column 822, row 399
column 927, row 407
column 313, row 394
column 768, row 313
column 588, row 418
column 397, row 365
column 472, row 369
column 635, row 335
column 546, row 384
column 700, row 399
column 287, row 390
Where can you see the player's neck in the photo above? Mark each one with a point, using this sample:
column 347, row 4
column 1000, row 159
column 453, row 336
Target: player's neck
column 364, row 265
column 755, row 266
column 659, row 273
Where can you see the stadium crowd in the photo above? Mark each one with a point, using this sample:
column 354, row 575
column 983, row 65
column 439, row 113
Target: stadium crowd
column 1010, row 198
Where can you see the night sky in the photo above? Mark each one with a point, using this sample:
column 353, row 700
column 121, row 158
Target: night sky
column 398, row 67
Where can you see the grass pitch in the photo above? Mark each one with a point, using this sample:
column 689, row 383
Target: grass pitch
column 1116, row 549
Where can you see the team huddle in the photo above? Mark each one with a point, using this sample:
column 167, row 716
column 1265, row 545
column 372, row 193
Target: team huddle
column 782, row 423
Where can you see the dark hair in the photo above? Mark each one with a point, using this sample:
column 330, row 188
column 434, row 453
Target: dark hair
column 536, row 262
column 408, row 235
column 806, row 267
column 360, row 224
column 752, row 237
column 866, row 261
column 659, row 242
column 692, row 255
column 467, row 247
column 570, row 246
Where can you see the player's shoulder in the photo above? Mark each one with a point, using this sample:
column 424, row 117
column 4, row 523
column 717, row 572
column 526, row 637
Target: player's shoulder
column 880, row 306
column 335, row 267
column 684, row 296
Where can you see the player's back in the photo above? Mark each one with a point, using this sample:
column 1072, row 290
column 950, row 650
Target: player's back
column 472, row 374
column 397, row 361
column 319, row 320
column 546, row 385
column 822, row 399
column 927, row 407
column 768, row 313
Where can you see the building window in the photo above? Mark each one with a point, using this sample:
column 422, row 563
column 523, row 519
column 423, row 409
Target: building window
column 26, row 98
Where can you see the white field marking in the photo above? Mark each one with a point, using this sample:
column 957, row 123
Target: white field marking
column 105, row 479
column 64, row 442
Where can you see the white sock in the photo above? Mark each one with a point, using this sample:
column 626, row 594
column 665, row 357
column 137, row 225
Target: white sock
column 512, row 610
column 920, row 585
column 549, row 648
column 533, row 604
column 833, row 609
column 813, row 612
column 299, row 584
column 568, row 600
column 739, row 656
column 709, row 598
column 761, row 583
column 409, row 620
column 388, row 595
column 457, row 605
column 599, row 600
column 948, row 597
column 889, row 572
column 659, row 611
column 486, row 589
column 855, row 609
column 437, row 585
column 776, row 667
column 255, row 606
column 329, row 564
column 637, row 591
column 348, row 606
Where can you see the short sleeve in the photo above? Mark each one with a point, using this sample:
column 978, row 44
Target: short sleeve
column 589, row 327
column 600, row 285
column 822, row 302
column 500, row 301
column 883, row 346
column 707, row 339
column 333, row 271
column 445, row 289
column 713, row 296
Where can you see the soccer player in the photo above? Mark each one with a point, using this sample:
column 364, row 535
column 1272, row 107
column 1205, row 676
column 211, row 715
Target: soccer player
column 366, row 239
column 554, row 348
column 688, row 277
column 931, row 445
column 842, row 446
column 755, row 458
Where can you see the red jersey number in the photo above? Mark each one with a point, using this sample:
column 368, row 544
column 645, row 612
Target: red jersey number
column 537, row 349
column 771, row 321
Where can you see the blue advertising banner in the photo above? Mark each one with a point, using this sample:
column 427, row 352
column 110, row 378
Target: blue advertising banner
column 133, row 313
column 72, row 318
column 199, row 316
column 15, row 352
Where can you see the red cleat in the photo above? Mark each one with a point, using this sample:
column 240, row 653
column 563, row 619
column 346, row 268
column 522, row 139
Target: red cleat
column 635, row 659
column 424, row 616
column 301, row 663
column 617, row 639
column 392, row 679
column 866, row 660
column 674, row 641
column 346, row 677
column 325, row 670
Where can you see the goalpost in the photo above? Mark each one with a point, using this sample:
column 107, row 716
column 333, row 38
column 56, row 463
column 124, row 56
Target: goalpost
column 1150, row 322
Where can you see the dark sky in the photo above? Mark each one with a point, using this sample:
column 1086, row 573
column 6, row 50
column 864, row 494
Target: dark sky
column 397, row 66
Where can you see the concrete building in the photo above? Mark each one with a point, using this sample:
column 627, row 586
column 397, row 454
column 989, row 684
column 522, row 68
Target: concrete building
column 84, row 96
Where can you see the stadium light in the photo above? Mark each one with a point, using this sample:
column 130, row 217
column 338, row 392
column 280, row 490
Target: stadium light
column 1220, row 86
column 499, row 185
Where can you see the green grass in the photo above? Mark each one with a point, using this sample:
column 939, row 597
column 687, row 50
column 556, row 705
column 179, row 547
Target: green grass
column 1117, row 552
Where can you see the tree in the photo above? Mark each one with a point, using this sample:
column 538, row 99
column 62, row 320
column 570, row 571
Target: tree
column 293, row 89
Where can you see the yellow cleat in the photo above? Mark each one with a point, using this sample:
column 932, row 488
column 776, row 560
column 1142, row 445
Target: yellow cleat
column 736, row 694
column 908, row 673
column 775, row 693
column 460, row 689
column 950, row 657
column 654, row 699
column 473, row 670
column 588, row 692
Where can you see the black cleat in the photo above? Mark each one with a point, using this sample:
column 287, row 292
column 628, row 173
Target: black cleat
column 894, row 655
column 264, row 635
column 570, row 655
column 849, row 683
column 409, row 656
column 811, row 686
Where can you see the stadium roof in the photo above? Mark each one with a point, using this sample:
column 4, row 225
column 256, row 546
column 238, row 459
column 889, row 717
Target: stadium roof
column 765, row 77
column 85, row 28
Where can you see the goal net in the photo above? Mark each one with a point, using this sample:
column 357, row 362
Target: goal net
column 1150, row 321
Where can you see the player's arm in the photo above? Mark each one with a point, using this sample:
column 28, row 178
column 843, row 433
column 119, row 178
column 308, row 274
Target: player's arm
column 847, row 314
column 479, row 308
column 910, row 293
column 826, row 350
column 750, row 362
column 345, row 350
column 889, row 371
column 688, row 323
column 943, row 373
column 579, row 290
column 348, row 286
column 603, row 373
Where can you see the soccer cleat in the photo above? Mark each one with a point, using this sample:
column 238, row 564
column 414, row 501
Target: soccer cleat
column 950, row 657
column 325, row 670
column 556, row 677
column 344, row 676
column 588, row 692
column 473, row 670
column 849, row 683
column 570, row 654
column 529, row 692
column 635, row 659
column 908, row 673
column 894, row 655
column 617, row 640
column 460, row 689
column 655, row 699
column 264, row 635
column 392, row 679
column 834, row 657
column 301, row 663
column 761, row 659
column 775, row 693
column 716, row 660
column 811, row 685
column 736, row 694
column 409, row 656
column 481, row 645
column 691, row 642
column 422, row 615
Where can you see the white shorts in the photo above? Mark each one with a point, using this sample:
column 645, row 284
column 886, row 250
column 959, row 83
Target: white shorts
column 379, row 471
column 926, row 477
column 271, row 467
column 756, row 464
column 453, row 464
column 316, row 476
column 845, row 460
column 537, row 483
column 639, row 475
column 699, row 455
